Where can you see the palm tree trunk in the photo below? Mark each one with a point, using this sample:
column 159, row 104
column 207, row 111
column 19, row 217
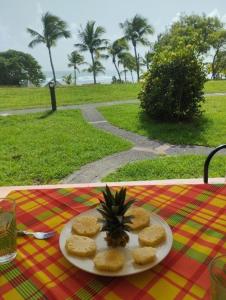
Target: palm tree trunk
column 137, row 62
column 131, row 72
column 94, row 72
column 214, row 65
column 119, row 76
column 75, row 75
column 51, row 62
column 125, row 75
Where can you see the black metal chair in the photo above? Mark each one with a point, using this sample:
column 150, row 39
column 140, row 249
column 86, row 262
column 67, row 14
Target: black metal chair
column 208, row 159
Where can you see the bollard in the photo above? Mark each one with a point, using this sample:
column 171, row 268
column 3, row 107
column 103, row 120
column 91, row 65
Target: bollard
column 52, row 95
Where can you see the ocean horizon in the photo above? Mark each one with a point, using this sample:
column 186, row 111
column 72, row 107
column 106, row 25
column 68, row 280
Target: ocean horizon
column 82, row 77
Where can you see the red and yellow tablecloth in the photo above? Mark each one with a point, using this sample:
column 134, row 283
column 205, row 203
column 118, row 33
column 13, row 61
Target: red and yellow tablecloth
column 196, row 214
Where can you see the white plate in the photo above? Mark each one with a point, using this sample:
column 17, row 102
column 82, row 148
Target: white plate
column 86, row 264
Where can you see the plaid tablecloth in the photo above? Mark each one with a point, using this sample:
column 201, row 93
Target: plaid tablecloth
column 196, row 214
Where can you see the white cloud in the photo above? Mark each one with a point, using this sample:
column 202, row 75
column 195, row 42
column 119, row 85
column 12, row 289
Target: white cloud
column 175, row 18
column 215, row 13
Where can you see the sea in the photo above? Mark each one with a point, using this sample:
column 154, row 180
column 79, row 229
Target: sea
column 82, row 77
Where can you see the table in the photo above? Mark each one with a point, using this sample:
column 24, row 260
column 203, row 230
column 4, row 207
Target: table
column 196, row 214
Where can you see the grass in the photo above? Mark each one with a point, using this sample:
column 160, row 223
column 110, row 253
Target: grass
column 209, row 131
column 165, row 167
column 215, row 86
column 44, row 148
column 18, row 98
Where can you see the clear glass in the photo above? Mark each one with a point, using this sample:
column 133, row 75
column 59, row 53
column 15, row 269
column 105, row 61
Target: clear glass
column 7, row 230
column 218, row 277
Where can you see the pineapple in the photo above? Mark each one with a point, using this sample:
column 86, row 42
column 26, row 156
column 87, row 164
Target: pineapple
column 115, row 223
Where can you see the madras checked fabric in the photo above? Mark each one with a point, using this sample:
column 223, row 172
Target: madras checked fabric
column 196, row 214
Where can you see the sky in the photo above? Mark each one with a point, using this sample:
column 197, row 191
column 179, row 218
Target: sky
column 17, row 15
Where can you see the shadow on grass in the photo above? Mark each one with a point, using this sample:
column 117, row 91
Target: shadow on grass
column 46, row 114
column 183, row 133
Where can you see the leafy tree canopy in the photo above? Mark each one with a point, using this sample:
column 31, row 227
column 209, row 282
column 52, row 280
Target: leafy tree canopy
column 17, row 66
column 192, row 30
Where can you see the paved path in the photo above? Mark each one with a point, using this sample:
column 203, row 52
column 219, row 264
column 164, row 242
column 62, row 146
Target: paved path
column 143, row 147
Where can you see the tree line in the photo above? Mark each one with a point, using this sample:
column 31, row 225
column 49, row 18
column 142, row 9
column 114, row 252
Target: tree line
column 205, row 35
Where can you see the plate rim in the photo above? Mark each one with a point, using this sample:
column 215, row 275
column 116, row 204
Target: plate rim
column 142, row 268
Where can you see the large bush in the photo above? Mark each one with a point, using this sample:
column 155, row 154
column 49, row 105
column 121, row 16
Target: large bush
column 173, row 87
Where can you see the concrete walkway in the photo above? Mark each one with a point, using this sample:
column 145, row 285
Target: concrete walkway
column 143, row 147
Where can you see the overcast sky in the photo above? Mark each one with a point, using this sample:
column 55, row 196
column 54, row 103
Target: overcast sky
column 17, row 15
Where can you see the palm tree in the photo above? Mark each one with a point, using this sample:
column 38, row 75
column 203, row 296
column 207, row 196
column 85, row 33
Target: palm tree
column 115, row 49
column 97, row 68
column 75, row 59
column 129, row 63
column 90, row 40
column 53, row 29
column 136, row 30
column 147, row 59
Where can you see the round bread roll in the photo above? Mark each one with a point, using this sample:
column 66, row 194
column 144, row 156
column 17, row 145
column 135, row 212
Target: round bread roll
column 110, row 260
column 141, row 217
column 85, row 226
column 80, row 246
column 143, row 255
column 152, row 235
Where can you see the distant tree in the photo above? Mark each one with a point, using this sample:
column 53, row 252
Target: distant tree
column 67, row 79
column 18, row 67
column 75, row 59
column 129, row 63
column 53, row 29
column 218, row 43
column 97, row 68
column 136, row 30
column 115, row 49
column 91, row 40
column 219, row 68
column 194, row 30
column 147, row 59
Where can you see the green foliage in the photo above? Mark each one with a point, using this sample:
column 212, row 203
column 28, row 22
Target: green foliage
column 192, row 30
column 17, row 67
column 91, row 40
column 53, row 29
column 173, row 87
column 75, row 60
column 67, row 79
column 136, row 30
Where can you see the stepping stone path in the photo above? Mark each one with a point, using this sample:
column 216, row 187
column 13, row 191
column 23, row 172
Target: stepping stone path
column 143, row 147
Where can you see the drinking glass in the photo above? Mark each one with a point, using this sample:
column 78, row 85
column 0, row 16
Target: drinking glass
column 7, row 230
column 218, row 277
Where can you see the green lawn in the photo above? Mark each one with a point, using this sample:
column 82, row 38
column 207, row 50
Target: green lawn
column 215, row 86
column 169, row 167
column 42, row 148
column 17, row 98
column 209, row 131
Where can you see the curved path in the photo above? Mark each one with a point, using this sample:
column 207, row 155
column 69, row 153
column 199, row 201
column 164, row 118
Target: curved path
column 143, row 147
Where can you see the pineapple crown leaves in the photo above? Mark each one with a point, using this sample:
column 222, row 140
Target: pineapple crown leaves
column 113, row 210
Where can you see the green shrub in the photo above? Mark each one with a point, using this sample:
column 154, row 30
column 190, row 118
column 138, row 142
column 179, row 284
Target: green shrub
column 173, row 87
